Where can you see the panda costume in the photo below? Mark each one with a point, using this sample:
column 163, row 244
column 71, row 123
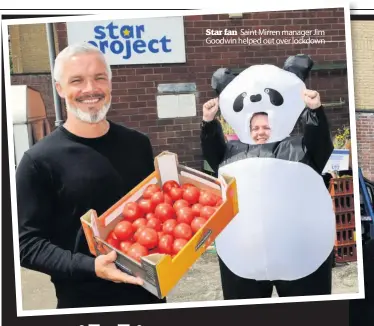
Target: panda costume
column 284, row 233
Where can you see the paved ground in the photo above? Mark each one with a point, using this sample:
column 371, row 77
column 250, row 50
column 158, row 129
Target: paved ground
column 201, row 283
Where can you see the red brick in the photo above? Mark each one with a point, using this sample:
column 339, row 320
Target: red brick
column 136, row 91
column 151, row 90
column 199, row 42
column 136, row 78
column 150, row 111
column 195, row 31
column 162, row 70
column 153, row 77
column 204, row 24
column 193, row 18
column 145, row 84
column 210, row 17
column 277, row 14
column 137, row 104
column 144, row 71
column 168, row 134
column 188, row 24
column 260, row 15
column 138, row 117
column 119, row 92
column 125, row 72
column 145, row 97
column 179, row 70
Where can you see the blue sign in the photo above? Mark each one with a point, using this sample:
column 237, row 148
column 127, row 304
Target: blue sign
column 127, row 39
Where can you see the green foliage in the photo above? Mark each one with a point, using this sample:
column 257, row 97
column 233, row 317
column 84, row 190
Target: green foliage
column 341, row 137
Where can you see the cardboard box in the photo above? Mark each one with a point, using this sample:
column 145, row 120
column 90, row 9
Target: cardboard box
column 161, row 272
column 338, row 161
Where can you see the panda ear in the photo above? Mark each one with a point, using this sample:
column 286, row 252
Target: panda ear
column 300, row 65
column 221, row 78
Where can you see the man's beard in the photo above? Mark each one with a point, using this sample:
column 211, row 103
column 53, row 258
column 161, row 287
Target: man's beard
column 88, row 117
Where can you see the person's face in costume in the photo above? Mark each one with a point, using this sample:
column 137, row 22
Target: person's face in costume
column 260, row 129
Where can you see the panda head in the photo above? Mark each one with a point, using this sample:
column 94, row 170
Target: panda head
column 270, row 89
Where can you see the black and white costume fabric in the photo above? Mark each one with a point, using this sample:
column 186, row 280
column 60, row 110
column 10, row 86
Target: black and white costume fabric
column 285, row 228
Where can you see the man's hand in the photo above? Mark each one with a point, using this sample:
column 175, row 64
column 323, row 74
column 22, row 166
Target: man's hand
column 312, row 99
column 107, row 270
column 210, row 109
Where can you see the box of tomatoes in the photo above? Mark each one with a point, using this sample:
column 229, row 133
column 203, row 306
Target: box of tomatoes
column 163, row 225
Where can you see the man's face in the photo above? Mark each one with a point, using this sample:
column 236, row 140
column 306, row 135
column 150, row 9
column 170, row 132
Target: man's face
column 85, row 86
column 260, row 129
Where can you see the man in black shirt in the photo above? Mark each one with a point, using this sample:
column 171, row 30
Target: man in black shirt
column 89, row 162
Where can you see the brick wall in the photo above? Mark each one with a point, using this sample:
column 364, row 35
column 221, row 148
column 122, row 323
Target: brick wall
column 134, row 87
column 365, row 143
column 29, row 48
column 363, row 57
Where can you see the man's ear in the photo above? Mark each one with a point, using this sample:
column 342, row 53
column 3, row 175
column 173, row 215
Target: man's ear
column 59, row 90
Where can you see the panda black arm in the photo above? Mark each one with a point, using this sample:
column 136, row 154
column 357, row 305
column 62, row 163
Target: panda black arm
column 213, row 143
column 317, row 138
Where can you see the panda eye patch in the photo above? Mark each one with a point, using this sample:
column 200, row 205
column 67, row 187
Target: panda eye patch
column 275, row 97
column 239, row 102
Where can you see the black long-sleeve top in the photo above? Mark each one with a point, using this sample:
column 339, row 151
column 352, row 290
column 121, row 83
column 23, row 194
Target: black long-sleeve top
column 313, row 148
column 58, row 180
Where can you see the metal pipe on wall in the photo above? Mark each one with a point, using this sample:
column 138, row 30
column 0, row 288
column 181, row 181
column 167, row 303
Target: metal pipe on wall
column 52, row 57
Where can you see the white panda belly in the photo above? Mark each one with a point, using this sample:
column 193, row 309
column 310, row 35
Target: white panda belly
column 285, row 228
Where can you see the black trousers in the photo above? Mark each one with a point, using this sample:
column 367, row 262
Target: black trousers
column 361, row 311
column 317, row 283
column 112, row 294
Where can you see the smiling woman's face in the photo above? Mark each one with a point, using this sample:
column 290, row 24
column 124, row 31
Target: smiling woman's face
column 260, row 129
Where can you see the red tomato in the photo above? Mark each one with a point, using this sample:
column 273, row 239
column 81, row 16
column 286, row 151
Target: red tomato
column 176, row 193
column 170, row 184
column 187, row 185
column 169, row 225
column 148, row 238
column 113, row 242
column 165, row 244
column 124, row 246
column 112, row 235
column 191, row 194
column 207, row 211
column 161, row 233
column 180, row 203
column 164, row 212
column 185, row 215
column 150, row 190
column 154, row 251
column 183, row 231
column 154, row 223
column 168, row 199
column 123, row 230
column 136, row 251
column 132, row 211
column 139, row 222
column 196, row 208
column 207, row 198
column 136, row 234
column 146, row 205
column 219, row 201
column 150, row 215
column 197, row 223
column 157, row 198
column 178, row 245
